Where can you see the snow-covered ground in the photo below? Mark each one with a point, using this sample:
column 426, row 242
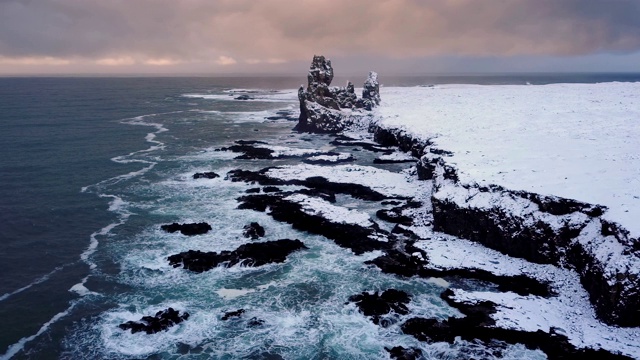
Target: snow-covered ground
column 578, row 141
column 569, row 313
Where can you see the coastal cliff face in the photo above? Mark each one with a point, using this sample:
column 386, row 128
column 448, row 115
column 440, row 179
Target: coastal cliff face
column 322, row 106
column 541, row 229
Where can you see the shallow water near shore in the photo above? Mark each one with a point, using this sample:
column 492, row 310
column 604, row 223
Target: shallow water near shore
column 90, row 170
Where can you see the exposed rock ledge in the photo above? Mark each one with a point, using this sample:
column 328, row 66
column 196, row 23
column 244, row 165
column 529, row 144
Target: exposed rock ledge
column 326, row 109
column 542, row 229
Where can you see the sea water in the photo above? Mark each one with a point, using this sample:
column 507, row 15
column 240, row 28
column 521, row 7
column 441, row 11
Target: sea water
column 91, row 167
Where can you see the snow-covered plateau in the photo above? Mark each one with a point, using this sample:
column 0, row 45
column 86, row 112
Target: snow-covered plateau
column 576, row 141
column 548, row 173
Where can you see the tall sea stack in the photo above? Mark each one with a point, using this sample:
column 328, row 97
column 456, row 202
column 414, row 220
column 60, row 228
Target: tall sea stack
column 321, row 105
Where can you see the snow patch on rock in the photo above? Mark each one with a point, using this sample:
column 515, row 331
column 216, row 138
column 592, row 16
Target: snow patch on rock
column 385, row 182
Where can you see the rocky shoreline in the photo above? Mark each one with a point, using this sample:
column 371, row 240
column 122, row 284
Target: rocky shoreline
column 542, row 229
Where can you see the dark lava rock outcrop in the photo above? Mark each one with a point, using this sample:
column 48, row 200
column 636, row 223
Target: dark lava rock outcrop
column 314, row 182
column 161, row 321
column 375, row 305
column 187, row 229
column 320, row 104
column 233, row 314
column 402, row 353
column 249, row 150
column 343, row 140
column 396, row 214
column 260, row 150
column 283, row 115
column 411, row 262
column 254, row 254
column 205, row 175
column 253, row 231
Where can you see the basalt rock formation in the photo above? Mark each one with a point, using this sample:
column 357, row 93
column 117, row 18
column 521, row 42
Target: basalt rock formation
column 376, row 305
column 321, row 105
column 253, row 231
column 161, row 321
column 187, row 229
column 252, row 255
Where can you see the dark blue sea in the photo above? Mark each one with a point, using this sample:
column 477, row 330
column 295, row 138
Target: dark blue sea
column 91, row 167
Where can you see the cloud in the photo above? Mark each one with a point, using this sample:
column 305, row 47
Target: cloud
column 247, row 32
column 34, row 61
column 117, row 61
column 161, row 62
column 225, row 60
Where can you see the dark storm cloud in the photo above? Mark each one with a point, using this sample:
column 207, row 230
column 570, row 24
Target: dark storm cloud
column 242, row 31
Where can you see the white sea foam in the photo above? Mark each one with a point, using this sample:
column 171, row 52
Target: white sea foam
column 19, row 346
column 257, row 96
column 128, row 158
column 229, row 294
column 248, row 116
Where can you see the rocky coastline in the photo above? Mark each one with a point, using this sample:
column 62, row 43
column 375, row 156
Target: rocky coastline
column 562, row 234
column 539, row 228
column 552, row 230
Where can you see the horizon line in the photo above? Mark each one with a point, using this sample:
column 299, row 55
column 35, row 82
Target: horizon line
column 290, row 75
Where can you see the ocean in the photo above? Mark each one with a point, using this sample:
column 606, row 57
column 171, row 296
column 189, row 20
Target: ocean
column 91, row 167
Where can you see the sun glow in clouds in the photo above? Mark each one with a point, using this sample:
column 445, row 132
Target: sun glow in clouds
column 225, row 60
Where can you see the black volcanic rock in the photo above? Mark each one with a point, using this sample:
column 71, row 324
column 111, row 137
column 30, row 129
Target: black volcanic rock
column 187, row 229
column 411, row 262
column 315, row 182
column 253, row 231
column 376, row 305
column 250, row 142
column 249, row 151
column 401, row 353
column 243, row 97
column 399, row 262
column 283, row 115
column 342, row 140
column 395, row 215
column 334, row 159
column 205, row 175
column 254, row 321
column 231, row 314
column 256, row 150
column 254, row 254
column 161, row 321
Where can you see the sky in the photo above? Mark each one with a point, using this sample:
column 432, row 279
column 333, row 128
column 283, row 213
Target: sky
column 281, row 36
